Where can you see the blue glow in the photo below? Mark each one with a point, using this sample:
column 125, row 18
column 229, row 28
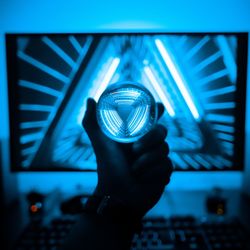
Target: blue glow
column 59, row 152
column 227, row 144
column 39, row 87
column 47, row 90
column 218, row 163
column 67, row 154
column 108, row 123
column 202, row 161
column 228, row 57
column 102, row 85
column 126, row 111
column 28, row 151
column 223, row 128
column 159, row 91
column 206, row 62
column 191, row 161
column 220, row 118
column 36, row 107
column 43, row 67
column 176, row 158
column 220, row 91
column 196, row 48
column 116, row 118
column 105, row 81
column 144, row 120
column 76, row 155
column 133, row 119
column 226, row 137
column 58, row 51
column 165, row 15
column 117, row 58
column 214, row 76
column 222, row 105
column 225, row 161
column 75, row 43
column 37, row 124
column 30, row 137
column 177, row 78
column 81, row 55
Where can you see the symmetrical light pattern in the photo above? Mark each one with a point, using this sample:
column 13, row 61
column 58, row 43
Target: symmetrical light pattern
column 194, row 76
column 126, row 111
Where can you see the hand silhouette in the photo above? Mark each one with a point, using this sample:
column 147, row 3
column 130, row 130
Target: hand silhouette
column 135, row 173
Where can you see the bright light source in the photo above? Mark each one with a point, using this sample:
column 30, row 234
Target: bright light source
column 108, row 76
column 159, row 91
column 104, row 83
column 176, row 76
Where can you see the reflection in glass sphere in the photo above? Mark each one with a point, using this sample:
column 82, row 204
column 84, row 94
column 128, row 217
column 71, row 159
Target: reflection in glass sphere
column 126, row 111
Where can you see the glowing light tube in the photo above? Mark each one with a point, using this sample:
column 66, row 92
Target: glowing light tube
column 108, row 76
column 159, row 91
column 178, row 79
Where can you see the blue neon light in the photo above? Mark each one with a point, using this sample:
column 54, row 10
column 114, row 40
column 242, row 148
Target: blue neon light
column 220, row 91
column 58, row 51
column 228, row 56
column 40, row 87
column 42, row 67
column 214, row 76
column 196, row 48
column 209, row 60
column 75, row 43
column 178, row 79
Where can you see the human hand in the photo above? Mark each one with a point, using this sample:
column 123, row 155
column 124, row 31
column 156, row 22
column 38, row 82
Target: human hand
column 134, row 173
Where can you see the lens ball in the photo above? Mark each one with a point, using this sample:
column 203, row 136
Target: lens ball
column 126, row 111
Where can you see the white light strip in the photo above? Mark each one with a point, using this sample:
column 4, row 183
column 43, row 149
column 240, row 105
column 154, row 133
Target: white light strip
column 142, row 122
column 159, row 91
column 176, row 76
column 108, row 76
column 108, row 124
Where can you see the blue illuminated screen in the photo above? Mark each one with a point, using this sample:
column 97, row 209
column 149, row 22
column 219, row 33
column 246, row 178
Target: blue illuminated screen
column 193, row 75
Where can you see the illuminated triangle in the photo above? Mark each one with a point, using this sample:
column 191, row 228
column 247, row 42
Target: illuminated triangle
column 124, row 111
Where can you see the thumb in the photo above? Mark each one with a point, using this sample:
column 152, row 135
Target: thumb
column 160, row 108
column 90, row 124
column 89, row 121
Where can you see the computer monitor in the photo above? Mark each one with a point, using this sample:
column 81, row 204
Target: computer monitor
column 200, row 78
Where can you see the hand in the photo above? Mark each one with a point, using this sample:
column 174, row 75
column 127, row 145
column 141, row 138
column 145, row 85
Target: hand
column 134, row 173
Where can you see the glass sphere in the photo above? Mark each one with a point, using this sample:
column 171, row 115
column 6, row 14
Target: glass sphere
column 126, row 111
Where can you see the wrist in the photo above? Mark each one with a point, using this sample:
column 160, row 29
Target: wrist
column 115, row 211
column 124, row 198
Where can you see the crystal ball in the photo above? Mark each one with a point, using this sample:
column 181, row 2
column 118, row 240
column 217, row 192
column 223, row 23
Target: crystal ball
column 126, row 111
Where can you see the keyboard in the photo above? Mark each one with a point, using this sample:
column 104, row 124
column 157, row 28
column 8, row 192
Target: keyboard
column 186, row 233
column 177, row 233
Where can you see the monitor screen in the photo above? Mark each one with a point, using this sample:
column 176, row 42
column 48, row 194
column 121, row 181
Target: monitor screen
column 200, row 78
